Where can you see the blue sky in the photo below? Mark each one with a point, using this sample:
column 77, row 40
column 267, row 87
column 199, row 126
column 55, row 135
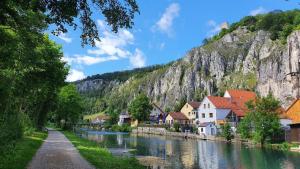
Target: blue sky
column 164, row 31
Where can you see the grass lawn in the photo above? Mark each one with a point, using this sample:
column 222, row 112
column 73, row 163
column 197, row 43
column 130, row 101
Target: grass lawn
column 18, row 156
column 101, row 157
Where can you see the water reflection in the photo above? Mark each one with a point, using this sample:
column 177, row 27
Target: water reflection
column 194, row 154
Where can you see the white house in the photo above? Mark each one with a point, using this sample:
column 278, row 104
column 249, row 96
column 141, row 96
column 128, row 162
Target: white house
column 207, row 128
column 124, row 118
column 219, row 110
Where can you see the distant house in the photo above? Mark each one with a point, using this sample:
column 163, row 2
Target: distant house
column 124, row 118
column 157, row 115
column 218, row 110
column 293, row 111
column 190, row 110
column 100, row 119
column 177, row 117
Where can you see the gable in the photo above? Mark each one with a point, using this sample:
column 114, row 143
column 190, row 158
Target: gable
column 293, row 112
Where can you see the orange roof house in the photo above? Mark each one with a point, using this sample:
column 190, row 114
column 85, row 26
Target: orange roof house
column 293, row 112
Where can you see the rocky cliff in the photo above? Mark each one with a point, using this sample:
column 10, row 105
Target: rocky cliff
column 240, row 59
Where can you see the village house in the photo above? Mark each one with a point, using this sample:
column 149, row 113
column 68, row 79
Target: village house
column 190, row 110
column 177, row 117
column 293, row 113
column 215, row 111
column 100, row 119
column 157, row 115
column 124, row 118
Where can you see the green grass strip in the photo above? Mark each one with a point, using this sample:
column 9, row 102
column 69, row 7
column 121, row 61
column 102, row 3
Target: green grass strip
column 19, row 155
column 100, row 157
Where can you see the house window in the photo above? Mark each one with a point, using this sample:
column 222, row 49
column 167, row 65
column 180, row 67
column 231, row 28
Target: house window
column 211, row 115
column 203, row 115
column 201, row 129
column 189, row 113
column 208, row 105
column 171, row 121
column 204, row 105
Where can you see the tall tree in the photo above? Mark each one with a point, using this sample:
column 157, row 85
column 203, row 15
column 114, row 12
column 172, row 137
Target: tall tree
column 70, row 106
column 140, row 108
column 262, row 121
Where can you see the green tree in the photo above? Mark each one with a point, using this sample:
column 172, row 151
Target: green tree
column 262, row 121
column 176, row 126
column 226, row 132
column 140, row 108
column 179, row 105
column 118, row 14
column 70, row 106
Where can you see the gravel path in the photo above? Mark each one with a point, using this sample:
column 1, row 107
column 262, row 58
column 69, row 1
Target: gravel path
column 57, row 152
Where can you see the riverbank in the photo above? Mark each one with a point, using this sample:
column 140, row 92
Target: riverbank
column 100, row 157
column 19, row 155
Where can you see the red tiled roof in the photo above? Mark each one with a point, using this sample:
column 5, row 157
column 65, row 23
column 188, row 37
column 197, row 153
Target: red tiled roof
column 194, row 104
column 178, row 116
column 220, row 102
column 236, row 93
column 237, row 101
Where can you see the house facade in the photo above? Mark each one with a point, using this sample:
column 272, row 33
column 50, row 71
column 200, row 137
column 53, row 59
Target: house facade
column 190, row 110
column 177, row 117
column 157, row 115
column 216, row 110
column 124, row 118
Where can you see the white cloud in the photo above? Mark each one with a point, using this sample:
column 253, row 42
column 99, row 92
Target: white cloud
column 214, row 27
column 164, row 24
column 88, row 60
column 137, row 59
column 162, row 45
column 75, row 75
column 113, row 46
column 64, row 37
column 259, row 10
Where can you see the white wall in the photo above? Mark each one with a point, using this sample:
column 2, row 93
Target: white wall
column 226, row 94
column 285, row 122
column 206, row 110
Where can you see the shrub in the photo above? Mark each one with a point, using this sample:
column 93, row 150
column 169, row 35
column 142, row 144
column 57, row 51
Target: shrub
column 176, row 126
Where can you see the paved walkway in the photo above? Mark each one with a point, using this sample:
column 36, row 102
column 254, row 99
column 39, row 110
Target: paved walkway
column 57, row 152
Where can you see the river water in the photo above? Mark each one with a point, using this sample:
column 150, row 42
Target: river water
column 193, row 154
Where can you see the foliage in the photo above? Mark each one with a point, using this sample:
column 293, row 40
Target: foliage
column 226, row 132
column 262, row 121
column 179, row 105
column 118, row 14
column 100, row 157
column 123, row 128
column 176, row 126
column 279, row 24
column 31, row 72
column 140, row 108
column 19, row 155
column 69, row 106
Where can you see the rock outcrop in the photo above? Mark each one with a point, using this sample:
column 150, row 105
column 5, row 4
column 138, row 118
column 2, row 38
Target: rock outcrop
column 240, row 59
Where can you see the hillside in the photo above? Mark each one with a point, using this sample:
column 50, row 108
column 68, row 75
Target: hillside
column 255, row 53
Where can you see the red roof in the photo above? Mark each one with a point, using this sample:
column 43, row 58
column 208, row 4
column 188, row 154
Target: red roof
column 194, row 104
column 237, row 101
column 220, row 102
column 178, row 116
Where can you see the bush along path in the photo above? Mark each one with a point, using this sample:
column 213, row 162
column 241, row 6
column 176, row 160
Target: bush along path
column 57, row 152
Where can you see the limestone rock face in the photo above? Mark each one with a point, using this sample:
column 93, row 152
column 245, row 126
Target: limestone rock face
column 241, row 59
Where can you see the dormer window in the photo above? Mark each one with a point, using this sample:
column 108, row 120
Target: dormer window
column 204, row 105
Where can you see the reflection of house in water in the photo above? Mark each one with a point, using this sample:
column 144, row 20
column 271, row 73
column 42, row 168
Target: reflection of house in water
column 96, row 137
column 208, row 155
column 189, row 152
column 120, row 139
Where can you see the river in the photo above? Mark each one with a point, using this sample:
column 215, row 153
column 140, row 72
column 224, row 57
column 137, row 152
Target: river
column 179, row 153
